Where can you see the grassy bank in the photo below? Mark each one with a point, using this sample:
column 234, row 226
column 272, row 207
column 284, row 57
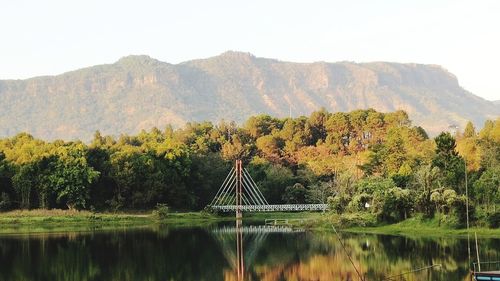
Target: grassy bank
column 416, row 226
column 37, row 221
column 424, row 227
column 23, row 221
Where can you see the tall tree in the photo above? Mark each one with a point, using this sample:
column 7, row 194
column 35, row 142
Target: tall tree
column 469, row 130
column 451, row 165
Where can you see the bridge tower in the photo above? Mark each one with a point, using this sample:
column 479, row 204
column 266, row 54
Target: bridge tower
column 239, row 191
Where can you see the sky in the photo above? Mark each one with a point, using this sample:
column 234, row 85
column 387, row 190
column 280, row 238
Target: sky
column 54, row 36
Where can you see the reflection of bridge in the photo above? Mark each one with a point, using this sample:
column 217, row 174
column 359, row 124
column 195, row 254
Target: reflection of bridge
column 256, row 229
column 254, row 236
column 240, row 193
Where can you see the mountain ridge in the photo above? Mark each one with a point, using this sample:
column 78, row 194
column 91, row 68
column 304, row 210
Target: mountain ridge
column 139, row 92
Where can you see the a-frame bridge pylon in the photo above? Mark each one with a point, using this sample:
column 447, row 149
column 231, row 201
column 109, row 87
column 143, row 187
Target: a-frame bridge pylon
column 239, row 193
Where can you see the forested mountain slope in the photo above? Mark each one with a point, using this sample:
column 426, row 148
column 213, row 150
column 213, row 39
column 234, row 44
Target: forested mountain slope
column 138, row 92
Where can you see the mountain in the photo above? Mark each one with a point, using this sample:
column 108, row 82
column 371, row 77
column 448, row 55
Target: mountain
column 496, row 102
column 139, row 92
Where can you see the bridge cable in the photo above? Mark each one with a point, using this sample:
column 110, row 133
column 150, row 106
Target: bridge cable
column 246, row 171
column 252, row 182
column 228, row 196
column 223, row 193
column 221, row 187
column 224, row 186
column 228, row 189
column 246, row 200
column 231, row 198
column 251, row 191
column 255, row 190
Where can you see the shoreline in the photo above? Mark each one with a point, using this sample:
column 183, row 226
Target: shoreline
column 64, row 221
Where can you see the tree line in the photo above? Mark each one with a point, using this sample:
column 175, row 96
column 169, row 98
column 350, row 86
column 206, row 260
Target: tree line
column 361, row 162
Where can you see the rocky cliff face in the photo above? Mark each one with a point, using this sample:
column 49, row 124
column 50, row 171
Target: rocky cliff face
column 138, row 92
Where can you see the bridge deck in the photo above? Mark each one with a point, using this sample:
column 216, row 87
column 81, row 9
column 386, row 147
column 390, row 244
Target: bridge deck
column 272, row 208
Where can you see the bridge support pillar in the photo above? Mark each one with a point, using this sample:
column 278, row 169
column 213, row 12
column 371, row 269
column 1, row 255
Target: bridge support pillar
column 239, row 190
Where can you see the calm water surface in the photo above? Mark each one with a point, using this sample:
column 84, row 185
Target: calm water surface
column 211, row 253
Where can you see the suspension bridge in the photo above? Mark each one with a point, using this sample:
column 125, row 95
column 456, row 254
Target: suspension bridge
column 239, row 193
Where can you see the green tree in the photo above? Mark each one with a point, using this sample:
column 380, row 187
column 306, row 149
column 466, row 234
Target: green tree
column 271, row 178
column 318, row 193
column 396, row 153
column 316, row 124
column 469, row 131
column 294, row 194
column 6, row 189
column 72, row 177
column 487, row 188
column 261, row 125
column 451, row 165
column 424, row 180
column 393, row 204
column 270, row 146
column 375, row 164
column 24, row 182
column 338, row 130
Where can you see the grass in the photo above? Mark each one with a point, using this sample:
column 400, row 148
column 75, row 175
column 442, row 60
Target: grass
column 192, row 219
column 29, row 221
column 39, row 220
column 417, row 226
column 22, row 221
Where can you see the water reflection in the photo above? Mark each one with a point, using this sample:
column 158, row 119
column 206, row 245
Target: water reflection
column 164, row 253
column 240, row 245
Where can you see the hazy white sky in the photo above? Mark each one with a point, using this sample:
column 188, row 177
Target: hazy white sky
column 51, row 37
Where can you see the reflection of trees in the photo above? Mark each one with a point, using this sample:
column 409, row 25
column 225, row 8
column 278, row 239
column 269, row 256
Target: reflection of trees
column 321, row 258
column 193, row 254
column 133, row 255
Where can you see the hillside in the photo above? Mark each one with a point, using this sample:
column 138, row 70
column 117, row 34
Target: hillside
column 138, row 92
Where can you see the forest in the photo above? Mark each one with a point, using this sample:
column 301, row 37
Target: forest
column 367, row 165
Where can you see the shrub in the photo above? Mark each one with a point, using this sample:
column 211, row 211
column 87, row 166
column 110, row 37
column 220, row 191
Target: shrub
column 424, row 204
column 209, row 211
column 393, row 205
column 357, row 219
column 451, row 220
column 338, row 203
column 161, row 212
column 358, row 202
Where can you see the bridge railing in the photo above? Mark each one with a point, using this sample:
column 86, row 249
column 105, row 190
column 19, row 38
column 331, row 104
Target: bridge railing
column 271, row 208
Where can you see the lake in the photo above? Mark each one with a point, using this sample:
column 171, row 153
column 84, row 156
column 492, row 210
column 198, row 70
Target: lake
column 224, row 252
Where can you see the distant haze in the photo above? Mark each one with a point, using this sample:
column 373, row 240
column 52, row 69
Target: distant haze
column 139, row 92
column 52, row 37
